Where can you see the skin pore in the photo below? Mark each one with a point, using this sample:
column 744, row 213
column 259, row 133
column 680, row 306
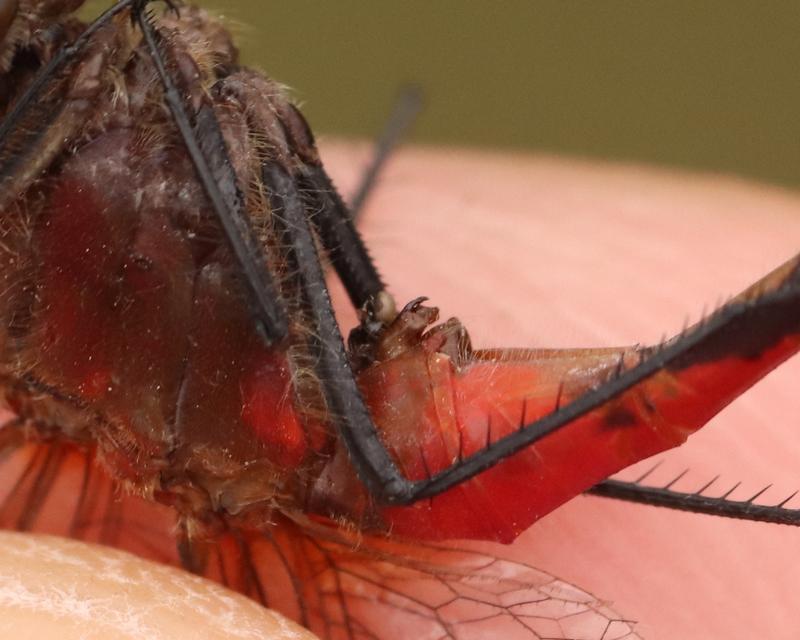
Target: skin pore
column 536, row 251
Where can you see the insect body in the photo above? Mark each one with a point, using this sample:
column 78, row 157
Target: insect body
column 165, row 313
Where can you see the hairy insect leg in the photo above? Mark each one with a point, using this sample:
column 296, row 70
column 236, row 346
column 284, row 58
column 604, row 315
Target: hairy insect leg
column 366, row 439
column 202, row 137
column 337, row 232
column 334, row 223
column 342, row 241
column 344, row 245
column 346, row 406
column 291, row 139
column 627, row 403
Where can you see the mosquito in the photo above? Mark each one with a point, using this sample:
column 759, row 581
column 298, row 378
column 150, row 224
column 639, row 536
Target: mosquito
column 166, row 329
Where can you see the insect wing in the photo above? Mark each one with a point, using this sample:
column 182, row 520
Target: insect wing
column 354, row 588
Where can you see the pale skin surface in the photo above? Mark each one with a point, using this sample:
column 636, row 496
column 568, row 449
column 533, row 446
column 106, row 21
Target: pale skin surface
column 539, row 252
column 56, row 588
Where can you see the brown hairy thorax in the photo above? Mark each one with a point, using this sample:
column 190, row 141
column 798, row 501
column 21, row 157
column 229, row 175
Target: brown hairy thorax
column 152, row 249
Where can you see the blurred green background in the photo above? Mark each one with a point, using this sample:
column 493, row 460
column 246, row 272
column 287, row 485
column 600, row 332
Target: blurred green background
column 711, row 85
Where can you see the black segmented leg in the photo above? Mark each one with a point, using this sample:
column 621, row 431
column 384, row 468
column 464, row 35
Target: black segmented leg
column 56, row 64
column 348, row 412
column 334, row 224
column 335, row 221
column 206, row 147
column 697, row 502
column 343, row 243
column 770, row 317
column 404, row 114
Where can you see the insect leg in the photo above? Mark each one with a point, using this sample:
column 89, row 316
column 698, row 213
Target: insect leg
column 697, row 502
column 344, row 245
column 203, row 140
column 406, row 109
column 749, row 336
column 43, row 120
column 695, row 374
column 404, row 113
column 334, row 224
column 348, row 412
column 336, row 231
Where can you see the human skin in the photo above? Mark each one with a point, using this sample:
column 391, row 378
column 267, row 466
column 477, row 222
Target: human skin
column 53, row 587
column 542, row 252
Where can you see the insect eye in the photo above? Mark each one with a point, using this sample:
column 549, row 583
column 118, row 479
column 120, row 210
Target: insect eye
column 8, row 11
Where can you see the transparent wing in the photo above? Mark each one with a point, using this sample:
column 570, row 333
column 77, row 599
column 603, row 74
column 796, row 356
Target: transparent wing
column 341, row 585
